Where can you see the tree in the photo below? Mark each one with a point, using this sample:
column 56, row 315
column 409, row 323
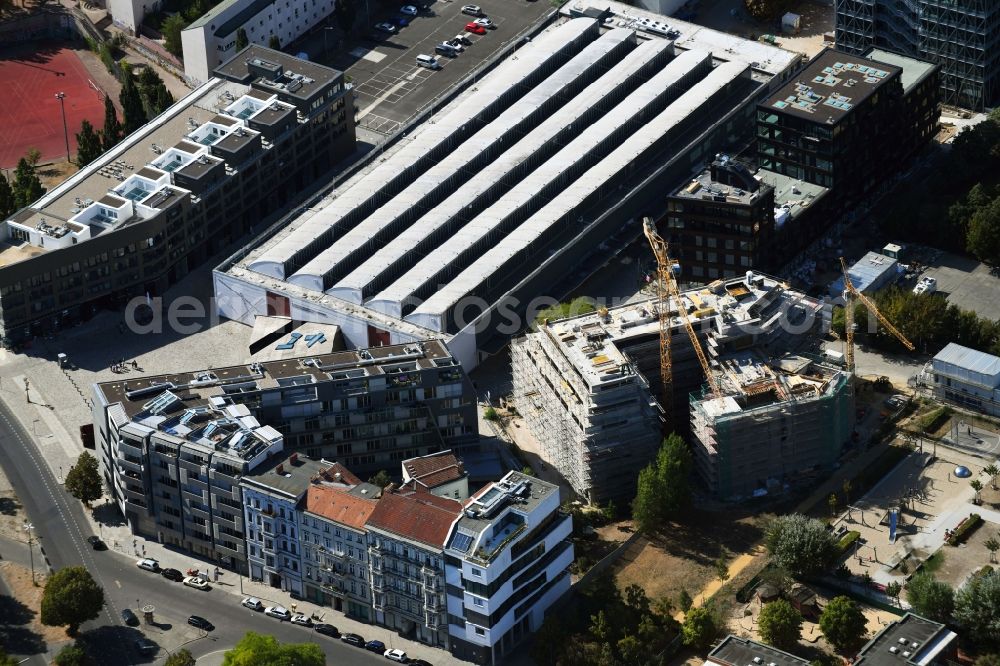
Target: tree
column 133, row 111
column 983, row 236
column 992, row 471
column 381, row 479
column 977, row 486
column 722, row 568
column 832, row 503
column 699, row 628
column 842, row 623
column 182, row 657
column 73, row 655
column 27, row 187
column 990, row 659
column 932, row 599
column 241, row 39
column 780, row 624
column 171, row 30
column 684, row 600
column 71, row 597
column 33, row 156
column 548, row 642
column 993, row 546
column 8, row 205
column 977, row 608
column 88, row 144
column 112, row 132
column 258, row 650
column 801, row 545
column 274, row 43
column 601, row 628
column 893, row 590
column 664, row 486
column 83, row 481
column 6, row 660
column 163, row 99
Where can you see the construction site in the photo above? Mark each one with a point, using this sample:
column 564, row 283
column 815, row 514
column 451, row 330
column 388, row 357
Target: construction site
column 761, row 411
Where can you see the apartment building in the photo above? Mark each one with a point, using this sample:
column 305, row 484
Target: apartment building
column 332, row 517
column 963, row 38
column 210, row 40
column 507, row 559
column 407, row 533
column 173, row 465
column 848, row 122
column 212, row 167
column 271, row 496
column 440, row 474
column 966, row 377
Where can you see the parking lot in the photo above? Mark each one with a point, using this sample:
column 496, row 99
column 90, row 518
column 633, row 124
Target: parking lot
column 389, row 85
column 967, row 283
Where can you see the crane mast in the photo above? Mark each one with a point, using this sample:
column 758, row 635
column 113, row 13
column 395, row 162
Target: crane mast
column 850, row 293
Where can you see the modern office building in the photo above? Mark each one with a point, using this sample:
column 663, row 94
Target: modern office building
column 967, row 378
column 847, row 122
column 271, row 497
column 332, row 517
column 962, row 37
column 589, row 387
column 440, row 474
column 173, row 460
column 407, row 532
column 911, row 641
column 211, row 40
column 212, row 167
column 508, row 560
column 606, row 109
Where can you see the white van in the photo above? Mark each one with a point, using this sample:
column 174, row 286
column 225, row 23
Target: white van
column 428, row 61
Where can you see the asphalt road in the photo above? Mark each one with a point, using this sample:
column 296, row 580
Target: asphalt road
column 62, row 529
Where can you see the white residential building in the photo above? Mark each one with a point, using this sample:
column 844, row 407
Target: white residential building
column 129, row 14
column 270, row 499
column 332, row 518
column 211, row 40
column 968, row 378
column 508, row 560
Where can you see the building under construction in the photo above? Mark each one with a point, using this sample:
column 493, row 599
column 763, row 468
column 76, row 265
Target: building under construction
column 588, row 388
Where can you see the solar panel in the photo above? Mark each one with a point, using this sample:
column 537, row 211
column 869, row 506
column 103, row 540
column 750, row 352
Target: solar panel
column 461, row 542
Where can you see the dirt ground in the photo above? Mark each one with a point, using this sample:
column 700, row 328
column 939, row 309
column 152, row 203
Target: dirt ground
column 684, row 555
column 961, row 562
column 22, row 611
column 817, row 18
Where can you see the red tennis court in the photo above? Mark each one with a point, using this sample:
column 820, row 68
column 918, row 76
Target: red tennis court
column 30, row 111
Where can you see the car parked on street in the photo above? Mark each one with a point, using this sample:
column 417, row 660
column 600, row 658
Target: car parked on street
column 172, row 574
column 201, row 623
column 408, row 10
column 146, row 646
column 375, row 646
column 486, row 23
column 279, row 612
column 387, row 28
column 96, row 543
column 472, row 10
column 396, row 654
column 130, row 618
column 353, row 639
column 149, row 564
column 302, row 620
column 253, row 603
column 475, row 29
column 327, row 630
column 196, row 582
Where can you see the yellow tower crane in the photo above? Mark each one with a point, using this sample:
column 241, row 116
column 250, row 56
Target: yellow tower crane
column 666, row 288
column 850, row 293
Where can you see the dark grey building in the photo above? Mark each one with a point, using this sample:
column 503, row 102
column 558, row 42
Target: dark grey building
column 173, row 448
column 191, row 181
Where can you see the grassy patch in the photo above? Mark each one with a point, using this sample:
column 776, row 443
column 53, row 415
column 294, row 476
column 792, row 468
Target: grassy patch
column 846, row 542
column 934, row 419
column 934, row 562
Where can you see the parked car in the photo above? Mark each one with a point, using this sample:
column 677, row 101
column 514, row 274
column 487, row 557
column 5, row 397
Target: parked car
column 96, row 543
column 409, row 10
column 253, row 603
column 396, row 655
column 201, row 623
column 463, row 38
column 130, row 618
column 353, row 639
column 196, row 582
column 149, row 564
column 475, row 28
column 375, row 646
column 486, row 23
column 456, row 44
column 472, row 10
column 146, row 646
column 446, row 49
column 172, row 574
column 327, row 630
column 302, row 620
column 279, row 612
column 926, row 285
column 386, row 28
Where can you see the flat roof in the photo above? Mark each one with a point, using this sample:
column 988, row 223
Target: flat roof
column 290, row 474
column 914, row 70
column 791, row 195
column 737, row 651
column 307, row 75
column 866, row 271
column 832, row 85
column 910, row 640
column 701, row 187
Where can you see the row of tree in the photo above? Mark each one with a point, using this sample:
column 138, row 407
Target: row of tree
column 25, row 187
column 142, row 98
column 842, row 622
column 974, row 608
column 664, row 486
column 928, row 320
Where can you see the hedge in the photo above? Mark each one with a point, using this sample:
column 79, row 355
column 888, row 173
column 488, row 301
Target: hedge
column 934, row 419
column 846, row 542
column 965, row 529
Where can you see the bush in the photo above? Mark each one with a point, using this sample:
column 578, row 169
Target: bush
column 846, row 542
column 965, row 529
column 934, row 419
column 490, row 414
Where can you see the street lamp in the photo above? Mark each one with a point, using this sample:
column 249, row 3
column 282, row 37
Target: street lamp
column 61, row 96
column 28, row 527
column 326, row 48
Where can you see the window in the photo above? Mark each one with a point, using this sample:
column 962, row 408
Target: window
column 480, row 631
column 477, row 601
column 477, row 572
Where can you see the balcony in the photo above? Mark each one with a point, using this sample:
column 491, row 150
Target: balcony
column 194, row 496
column 435, row 602
column 126, row 464
column 378, row 584
column 198, row 484
column 195, row 510
column 236, row 551
column 223, row 477
column 236, row 524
